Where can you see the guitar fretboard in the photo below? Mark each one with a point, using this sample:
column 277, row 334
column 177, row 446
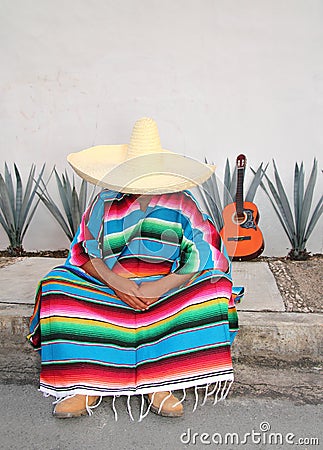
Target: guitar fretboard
column 239, row 196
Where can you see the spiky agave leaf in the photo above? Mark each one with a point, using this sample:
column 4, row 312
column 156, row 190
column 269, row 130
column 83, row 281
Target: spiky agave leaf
column 273, row 198
column 65, row 193
column 216, row 202
column 282, row 214
column 207, row 201
column 18, row 198
column 8, row 228
column 255, row 183
column 73, row 203
column 54, row 210
column 206, row 198
column 3, row 216
column 25, row 206
column 211, row 207
column 17, row 207
column 307, row 203
column 209, row 182
column 298, row 194
column 233, row 185
column 6, row 207
column 227, row 184
column 211, row 198
column 4, row 224
column 83, row 196
column 212, row 187
column 318, row 210
column 27, row 213
column 8, row 216
column 210, row 192
column 299, row 228
column 284, row 202
column 9, row 184
column 76, row 213
column 68, row 185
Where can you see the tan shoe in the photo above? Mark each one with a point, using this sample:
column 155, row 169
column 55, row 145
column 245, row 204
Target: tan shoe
column 170, row 407
column 74, row 406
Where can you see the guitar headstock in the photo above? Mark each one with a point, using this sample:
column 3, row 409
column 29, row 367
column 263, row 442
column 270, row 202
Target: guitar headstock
column 241, row 161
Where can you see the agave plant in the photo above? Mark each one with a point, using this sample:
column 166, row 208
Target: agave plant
column 210, row 193
column 73, row 202
column 17, row 206
column 298, row 227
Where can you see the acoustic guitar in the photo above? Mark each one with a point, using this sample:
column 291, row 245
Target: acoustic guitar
column 240, row 233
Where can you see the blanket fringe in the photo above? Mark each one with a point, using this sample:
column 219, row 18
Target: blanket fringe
column 163, row 401
column 129, row 408
column 196, row 397
column 151, row 401
column 217, row 393
column 219, row 390
column 227, row 390
column 206, row 394
column 114, row 408
column 89, row 408
column 181, row 401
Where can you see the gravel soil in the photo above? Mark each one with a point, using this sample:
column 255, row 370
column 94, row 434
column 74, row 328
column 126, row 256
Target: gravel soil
column 299, row 282
column 5, row 261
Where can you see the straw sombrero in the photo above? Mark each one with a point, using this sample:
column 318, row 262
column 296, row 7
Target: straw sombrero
column 140, row 167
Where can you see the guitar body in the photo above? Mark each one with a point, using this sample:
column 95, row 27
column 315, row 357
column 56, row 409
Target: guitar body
column 241, row 235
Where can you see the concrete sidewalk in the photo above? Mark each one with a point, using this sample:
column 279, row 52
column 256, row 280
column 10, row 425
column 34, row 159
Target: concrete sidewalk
column 262, row 293
column 268, row 335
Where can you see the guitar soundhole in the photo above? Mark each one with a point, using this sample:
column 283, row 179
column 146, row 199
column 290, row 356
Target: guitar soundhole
column 239, row 219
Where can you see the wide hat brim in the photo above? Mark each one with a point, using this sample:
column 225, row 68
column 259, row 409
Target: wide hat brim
column 160, row 172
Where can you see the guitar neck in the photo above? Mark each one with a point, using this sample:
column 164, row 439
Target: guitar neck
column 239, row 195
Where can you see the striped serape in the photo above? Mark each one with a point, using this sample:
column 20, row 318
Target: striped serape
column 92, row 343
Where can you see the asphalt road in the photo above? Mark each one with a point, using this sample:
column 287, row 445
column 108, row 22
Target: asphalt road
column 238, row 422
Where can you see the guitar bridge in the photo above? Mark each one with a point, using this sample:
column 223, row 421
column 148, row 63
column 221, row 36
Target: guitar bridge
column 239, row 238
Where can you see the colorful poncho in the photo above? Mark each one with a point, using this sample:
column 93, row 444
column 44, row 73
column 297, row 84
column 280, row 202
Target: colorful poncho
column 92, row 343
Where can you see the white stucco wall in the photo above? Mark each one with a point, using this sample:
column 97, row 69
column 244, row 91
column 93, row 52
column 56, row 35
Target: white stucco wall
column 221, row 77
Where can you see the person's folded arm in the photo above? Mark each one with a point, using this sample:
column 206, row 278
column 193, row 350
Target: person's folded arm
column 151, row 291
column 126, row 290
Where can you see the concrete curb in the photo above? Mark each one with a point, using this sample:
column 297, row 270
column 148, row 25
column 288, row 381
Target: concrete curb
column 270, row 339
column 268, row 335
